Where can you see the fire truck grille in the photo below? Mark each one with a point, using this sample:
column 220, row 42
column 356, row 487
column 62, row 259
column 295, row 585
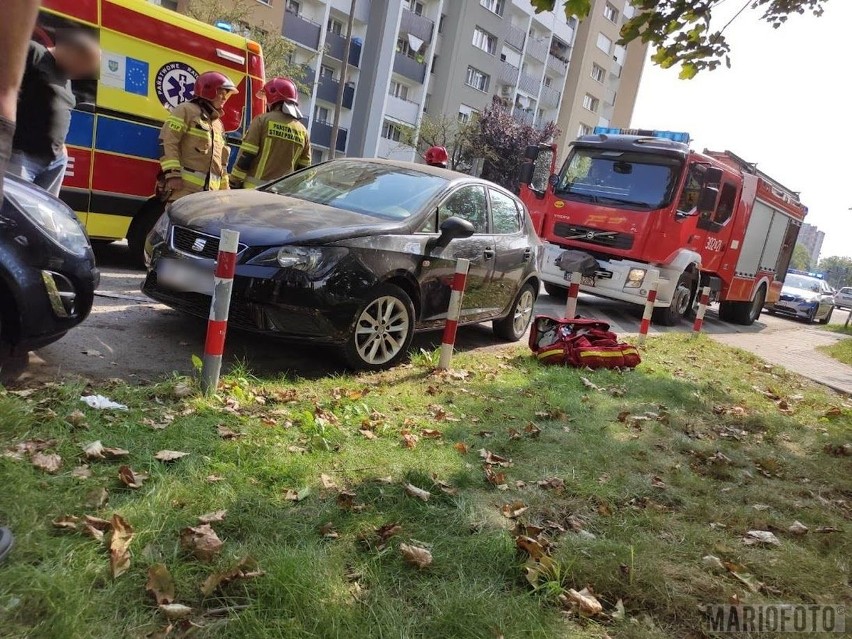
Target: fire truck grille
column 610, row 239
column 197, row 244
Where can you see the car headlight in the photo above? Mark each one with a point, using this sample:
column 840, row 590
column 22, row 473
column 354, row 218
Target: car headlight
column 161, row 228
column 635, row 278
column 56, row 220
column 315, row 260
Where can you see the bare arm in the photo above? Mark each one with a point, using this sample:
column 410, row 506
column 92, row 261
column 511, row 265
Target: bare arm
column 16, row 28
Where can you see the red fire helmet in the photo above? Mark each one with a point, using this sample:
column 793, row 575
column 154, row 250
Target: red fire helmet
column 207, row 85
column 437, row 156
column 283, row 91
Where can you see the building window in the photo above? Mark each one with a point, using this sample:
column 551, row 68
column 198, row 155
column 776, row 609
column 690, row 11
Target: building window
column 391, row 131
column 591, row 103
column 322, row 114
column 398, row 90
column 466, row 113
column 441, row 23
column 326, row 72
column 335, row 26
column 485, row 41
column 494, row 6
column 611, row 13
column 548, row 81
column 415, row 7
column 403, row 47
column 477, row 79
column 598, row 73
column 619, row 54
column 266, row 2
column 585, row 129
column 604, row 43
column 294, row 6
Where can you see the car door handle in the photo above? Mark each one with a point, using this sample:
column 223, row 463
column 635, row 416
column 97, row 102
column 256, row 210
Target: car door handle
column 527, row 254
column 488, row 253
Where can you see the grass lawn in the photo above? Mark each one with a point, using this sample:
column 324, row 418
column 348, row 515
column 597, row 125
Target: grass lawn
column 639, row 486
column 841, row 351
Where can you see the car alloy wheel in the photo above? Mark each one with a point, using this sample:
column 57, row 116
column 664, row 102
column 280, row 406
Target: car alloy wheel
column 523, row 311
column 382, row 331
column 512, row 327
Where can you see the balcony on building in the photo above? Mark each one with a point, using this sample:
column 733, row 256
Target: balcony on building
column 550, row 97
column 524, row 116
column 557, row 66
column 420, row 27
column 301, row 30
column 327, row 90
column 558, row 56
column 508, row 74
column 321, row 135
column 409, row 67
column 335, row 44
column 538, row 49
column 307, row 79
column 615, row 68
column 529, row 84
column 403, row 110
column 515, row 37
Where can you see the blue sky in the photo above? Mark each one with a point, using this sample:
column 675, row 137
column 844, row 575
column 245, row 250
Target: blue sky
column 784, row 104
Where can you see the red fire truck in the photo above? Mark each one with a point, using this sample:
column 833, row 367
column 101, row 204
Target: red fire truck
column 630, row 207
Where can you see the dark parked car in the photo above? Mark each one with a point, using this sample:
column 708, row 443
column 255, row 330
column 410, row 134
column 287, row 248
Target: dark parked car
column 47, row 269
column 355, row 253
column 806, row 297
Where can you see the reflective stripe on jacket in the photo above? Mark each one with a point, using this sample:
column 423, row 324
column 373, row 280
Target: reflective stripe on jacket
column 275, row 145
column 193, row 145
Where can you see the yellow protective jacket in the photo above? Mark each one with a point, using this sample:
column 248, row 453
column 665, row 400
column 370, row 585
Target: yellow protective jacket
column 193, row 147
column 275, row 145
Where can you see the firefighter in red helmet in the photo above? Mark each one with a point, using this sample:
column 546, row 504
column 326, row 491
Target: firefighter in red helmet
column 437, row 156
column 192, row 140
column 276, row 143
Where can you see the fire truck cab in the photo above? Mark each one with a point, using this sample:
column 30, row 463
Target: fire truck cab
column 635, row 207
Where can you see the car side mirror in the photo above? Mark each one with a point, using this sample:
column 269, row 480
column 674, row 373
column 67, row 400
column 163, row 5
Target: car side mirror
column 454, row 228
column 707, row 198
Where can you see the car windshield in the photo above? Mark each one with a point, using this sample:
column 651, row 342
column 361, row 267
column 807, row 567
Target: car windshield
column 371, row 188
column 803, row 282
column 600, row 176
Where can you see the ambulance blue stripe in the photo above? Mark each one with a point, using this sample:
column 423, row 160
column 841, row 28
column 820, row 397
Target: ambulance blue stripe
column 128, row 138
column 80, row 132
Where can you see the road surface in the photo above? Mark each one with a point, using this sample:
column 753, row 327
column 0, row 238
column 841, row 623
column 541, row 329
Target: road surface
column 132, row 337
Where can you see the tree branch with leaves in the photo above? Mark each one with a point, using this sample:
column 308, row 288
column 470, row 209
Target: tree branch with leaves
column 682, row 32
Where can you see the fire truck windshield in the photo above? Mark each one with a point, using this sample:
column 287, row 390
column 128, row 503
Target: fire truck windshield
column 632, row 180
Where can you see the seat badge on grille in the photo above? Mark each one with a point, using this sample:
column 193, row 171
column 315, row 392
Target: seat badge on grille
column 199, row 244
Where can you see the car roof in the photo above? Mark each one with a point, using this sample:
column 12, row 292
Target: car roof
column 447, row 174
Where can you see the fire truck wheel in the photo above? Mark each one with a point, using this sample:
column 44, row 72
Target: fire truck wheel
column 141, row 225
column 554, row 290
column 681, row 303
column 743, row 313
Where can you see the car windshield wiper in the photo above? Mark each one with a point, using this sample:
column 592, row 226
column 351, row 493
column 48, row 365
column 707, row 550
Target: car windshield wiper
column 617, row 200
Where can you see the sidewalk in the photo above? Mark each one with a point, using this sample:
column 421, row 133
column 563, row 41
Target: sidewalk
column 797, row 353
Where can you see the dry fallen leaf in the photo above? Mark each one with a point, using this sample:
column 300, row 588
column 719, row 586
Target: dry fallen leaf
column 494, row 460
column 590, row 384
column 202, row 541
column 514, row 509
column 245, row 568
column 160, row 584
column 76, row 418
column 296, row 495
column 96, row 450
column 169, row 455
column 69, row 522
column 797, row 528
column 367, row 433
column 656, row 482
column 826, row 529
column 226, row 433
column 97, row 497
column 553, row 483
column 174, row 611
column 82, row 472
column 119, row 555
column 415, row 555
column 385, row 532
column 409, row 439
column 531, row 430
column 712, row 561
column 328, row 532
column 587, row 603
column 131, row 479
column 497, row 479
column 431, row 433
column 211, row 479
column 346, row 500
column 753, row 537
column 327, row 482
column 300, row 450
column 48, row 462
column 461, row 447
column 212, row 517
column 419, row 493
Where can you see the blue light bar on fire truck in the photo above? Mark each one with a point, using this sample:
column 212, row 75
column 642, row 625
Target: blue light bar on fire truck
column 674, row 136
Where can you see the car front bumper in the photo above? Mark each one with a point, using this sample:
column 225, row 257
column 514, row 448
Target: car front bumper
column 803, row 310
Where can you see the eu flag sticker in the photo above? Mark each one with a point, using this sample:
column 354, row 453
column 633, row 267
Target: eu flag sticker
column 136, row 76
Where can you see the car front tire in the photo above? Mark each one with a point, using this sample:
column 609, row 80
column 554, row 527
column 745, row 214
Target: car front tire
column 513, row 327
column 383, row 330
column 827, row 318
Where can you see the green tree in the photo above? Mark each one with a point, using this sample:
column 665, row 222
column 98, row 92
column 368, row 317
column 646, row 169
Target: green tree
column 681, row 32
column 456, row 136
column 837, row 270
column 801, row 260
column 277, row 51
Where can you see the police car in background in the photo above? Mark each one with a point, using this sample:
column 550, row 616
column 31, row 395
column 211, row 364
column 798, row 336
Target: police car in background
column 806, row 296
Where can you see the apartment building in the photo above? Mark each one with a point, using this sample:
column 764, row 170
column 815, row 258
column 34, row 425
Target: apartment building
column 812, row 238
column 448, row 58
column 603, row 77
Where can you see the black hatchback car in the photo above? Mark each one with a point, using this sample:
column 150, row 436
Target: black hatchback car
column 358, row 253
column 47, row 269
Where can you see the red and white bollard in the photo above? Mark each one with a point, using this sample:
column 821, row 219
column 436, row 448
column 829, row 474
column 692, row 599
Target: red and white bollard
column 217, row 324
column 649, row 310
column 453, row 313
column 703, row 302
column 573, row 293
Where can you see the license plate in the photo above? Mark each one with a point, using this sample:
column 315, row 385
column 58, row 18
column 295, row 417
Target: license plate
column 178, row 276
column 587, row 280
